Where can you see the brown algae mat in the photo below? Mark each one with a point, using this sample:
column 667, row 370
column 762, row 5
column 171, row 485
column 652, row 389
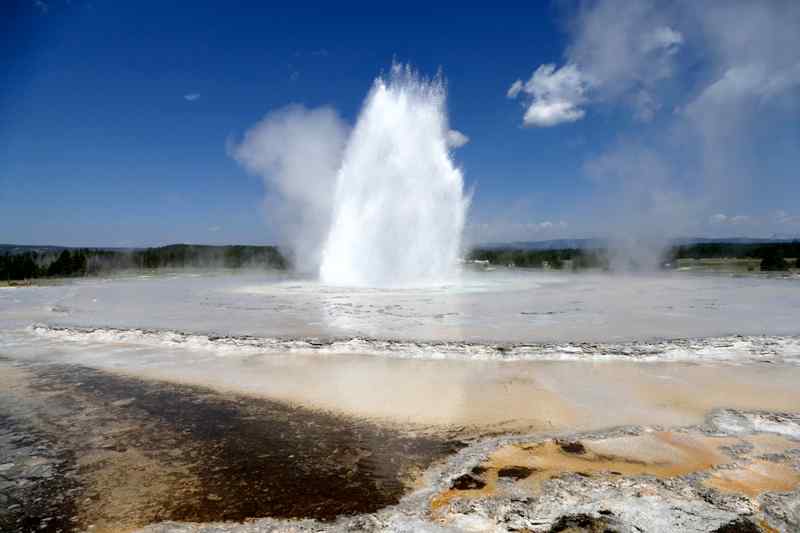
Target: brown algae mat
column 134, row 452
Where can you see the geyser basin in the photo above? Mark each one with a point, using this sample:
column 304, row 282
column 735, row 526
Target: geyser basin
column 399, row 205
column 504, row 306
column 233, row 344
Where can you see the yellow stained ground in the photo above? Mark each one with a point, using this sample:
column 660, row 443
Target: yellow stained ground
column 755, row 478
column 663, row 454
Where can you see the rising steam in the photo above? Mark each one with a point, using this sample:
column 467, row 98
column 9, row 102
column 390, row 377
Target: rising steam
column 385, row 206
column 298, row 151
column 712, row 91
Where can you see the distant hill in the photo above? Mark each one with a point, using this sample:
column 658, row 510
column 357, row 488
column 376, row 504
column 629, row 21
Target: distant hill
column 595, row 243
column 14, row 249
column 733, row 240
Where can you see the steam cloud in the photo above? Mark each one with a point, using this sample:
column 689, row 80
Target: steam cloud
column 716, row 75
column 381, row 205
column 298, row 152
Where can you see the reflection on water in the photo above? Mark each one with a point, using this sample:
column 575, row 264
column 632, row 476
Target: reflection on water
column 503, row 306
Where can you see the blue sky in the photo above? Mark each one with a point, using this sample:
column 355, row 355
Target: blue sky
column 116, row 115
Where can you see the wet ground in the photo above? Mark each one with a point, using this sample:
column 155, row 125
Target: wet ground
column 85, row 448
column 220, row 404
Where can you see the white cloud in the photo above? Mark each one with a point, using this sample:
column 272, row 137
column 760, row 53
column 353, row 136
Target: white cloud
column 721, row 218
column 191, row 97
column 42, row 6
column 622, row 52
column 214, row 229
column 515, row 89
column 619, row 51
column 456, row 139
column 551, row 113
column 555, row 95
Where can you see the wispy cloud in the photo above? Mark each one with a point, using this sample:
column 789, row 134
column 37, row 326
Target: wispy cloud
column 776, row 221
column 783, row 218
column 456, row 139
column 42, row 6
column 508, row 231
column 319, row 52
column 191, row 97
column 721, row 218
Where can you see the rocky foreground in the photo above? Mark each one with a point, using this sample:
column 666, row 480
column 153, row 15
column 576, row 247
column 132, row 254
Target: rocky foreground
column 738, row 472
column 84, row 450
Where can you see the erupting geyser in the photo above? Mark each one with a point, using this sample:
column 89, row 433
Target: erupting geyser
column 399, row 203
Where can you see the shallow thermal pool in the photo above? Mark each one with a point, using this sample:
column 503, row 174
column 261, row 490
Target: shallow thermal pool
column 298, row 340
column 480, row 307
column 494, row 353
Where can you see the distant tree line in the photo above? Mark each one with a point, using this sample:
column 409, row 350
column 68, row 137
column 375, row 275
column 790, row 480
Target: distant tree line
column 88, row 261
column 773, row 256
column 554, row 259
column 717, row 250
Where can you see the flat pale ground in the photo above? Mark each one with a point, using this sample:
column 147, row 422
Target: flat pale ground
column 503, row 306
column 513, row 306
column 510, row 396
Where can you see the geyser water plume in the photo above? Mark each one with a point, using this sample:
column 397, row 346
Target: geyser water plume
column 399, row 204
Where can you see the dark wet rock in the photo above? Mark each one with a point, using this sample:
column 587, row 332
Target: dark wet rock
column 478, row 470
column 515, row 472
column 572, row 447
column 580, row 523
column 741, row 525
column 467, row 482
column 32, row 493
